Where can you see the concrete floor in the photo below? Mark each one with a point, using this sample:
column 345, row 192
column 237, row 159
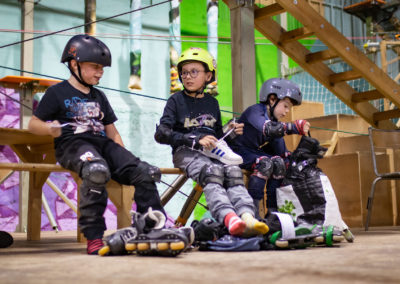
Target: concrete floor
column 374, row 257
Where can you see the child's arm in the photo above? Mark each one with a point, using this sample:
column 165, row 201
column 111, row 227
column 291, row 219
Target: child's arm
column 39, row 127
column 113, row 134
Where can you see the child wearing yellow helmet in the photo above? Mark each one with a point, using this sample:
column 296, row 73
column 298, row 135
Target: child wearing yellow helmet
column 191, row 124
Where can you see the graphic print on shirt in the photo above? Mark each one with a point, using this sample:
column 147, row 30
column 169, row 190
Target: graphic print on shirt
column 202, row 121
column 87, row 115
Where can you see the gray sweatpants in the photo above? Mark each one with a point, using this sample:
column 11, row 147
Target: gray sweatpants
column 220, row 201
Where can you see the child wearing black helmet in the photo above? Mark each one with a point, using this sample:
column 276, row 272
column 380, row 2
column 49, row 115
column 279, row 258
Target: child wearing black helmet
column 81, row 120
column 191, row 124
column 262, row 146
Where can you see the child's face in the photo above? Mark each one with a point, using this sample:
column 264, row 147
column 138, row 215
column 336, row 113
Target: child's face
column 91, row 72
column 282, row 108
column 194, row 84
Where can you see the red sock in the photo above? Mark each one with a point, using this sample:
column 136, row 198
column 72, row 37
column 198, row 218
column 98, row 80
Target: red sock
column 93, row 246
column 234, row 224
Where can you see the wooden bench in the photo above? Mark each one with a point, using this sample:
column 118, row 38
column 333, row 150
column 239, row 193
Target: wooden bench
column 120, row 195
column 36, row 155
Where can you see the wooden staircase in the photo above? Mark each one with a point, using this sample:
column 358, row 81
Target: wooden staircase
column 338, row 47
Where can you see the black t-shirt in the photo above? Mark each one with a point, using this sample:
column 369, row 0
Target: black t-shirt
column 185, row 114
column 85, row 113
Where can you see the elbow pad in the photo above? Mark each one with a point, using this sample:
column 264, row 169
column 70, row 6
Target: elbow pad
column 163, row 134
column 274, row 129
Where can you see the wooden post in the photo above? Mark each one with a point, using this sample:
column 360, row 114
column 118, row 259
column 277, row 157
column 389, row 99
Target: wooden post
column 26, row 96
column 384, row 68
column 90, row 16
column 243, row 54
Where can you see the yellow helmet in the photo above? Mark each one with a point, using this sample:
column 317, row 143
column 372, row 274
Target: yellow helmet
column 201, row 55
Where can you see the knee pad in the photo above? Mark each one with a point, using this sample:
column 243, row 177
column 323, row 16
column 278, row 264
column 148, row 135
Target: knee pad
column 148, row 173
column 211, row 174
column 279, row 169
column 95, row 171
column 264, row 167
column 233, row 176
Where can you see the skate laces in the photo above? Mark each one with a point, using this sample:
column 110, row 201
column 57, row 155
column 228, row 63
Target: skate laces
column 157, row 217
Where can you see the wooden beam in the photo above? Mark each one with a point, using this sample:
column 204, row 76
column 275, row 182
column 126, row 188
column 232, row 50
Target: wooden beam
column 296, row 34
column 366, row 96
column 385, row 115
column 244, row 90
column 90, row 16
column 272, row 30
column 336, row 41
column 321, row 56
column 269, row 11
column 344, row 76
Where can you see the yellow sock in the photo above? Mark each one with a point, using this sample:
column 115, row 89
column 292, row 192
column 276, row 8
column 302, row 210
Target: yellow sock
column 253, row 225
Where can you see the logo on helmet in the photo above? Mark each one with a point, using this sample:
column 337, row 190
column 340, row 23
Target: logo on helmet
column 72, row 51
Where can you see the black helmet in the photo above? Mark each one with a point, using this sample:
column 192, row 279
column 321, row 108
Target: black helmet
column 85, row 48
column 282, row 88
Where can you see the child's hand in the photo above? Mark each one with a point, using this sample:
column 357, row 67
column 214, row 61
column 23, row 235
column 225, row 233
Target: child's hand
column 303, row 126
column 238, row 128
column 208, row 142
column 54, row 128
column 306, row 127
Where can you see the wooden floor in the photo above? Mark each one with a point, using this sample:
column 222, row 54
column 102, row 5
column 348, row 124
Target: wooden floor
column 374, row 257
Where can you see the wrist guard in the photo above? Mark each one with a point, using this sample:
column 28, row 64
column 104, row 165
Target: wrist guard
column 192, row 140
column 274, row 129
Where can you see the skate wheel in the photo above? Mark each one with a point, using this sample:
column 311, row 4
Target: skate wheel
column 282, row 244
column 162, row 246
column 143, row 246
column 130, row 247
column 178, row 246
column 319, row 239
column 104, row 251
column 338, row 239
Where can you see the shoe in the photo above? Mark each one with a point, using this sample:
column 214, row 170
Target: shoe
column 94, row 246
column 224, row 154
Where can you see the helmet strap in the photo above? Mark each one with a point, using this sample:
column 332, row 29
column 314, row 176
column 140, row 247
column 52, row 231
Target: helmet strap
column 79, row 78
column 196, row 93
column 272, row 109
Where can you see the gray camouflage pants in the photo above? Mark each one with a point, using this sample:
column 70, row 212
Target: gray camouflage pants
column 220, row 201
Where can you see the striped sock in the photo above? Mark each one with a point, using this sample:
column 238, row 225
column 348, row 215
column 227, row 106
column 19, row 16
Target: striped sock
column 253, row 225
column 93, row 246
column 234, row 224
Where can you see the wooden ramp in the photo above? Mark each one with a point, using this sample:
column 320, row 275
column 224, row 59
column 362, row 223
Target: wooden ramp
column 337, row 47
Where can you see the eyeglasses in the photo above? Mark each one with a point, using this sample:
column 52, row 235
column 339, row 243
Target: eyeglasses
column 193, row 73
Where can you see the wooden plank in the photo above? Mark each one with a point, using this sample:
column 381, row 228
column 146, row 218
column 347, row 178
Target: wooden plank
column 366, row 96
column 296, row 34
column 33, row 167
column 388, row 114
column 344, row 76
column 320, row 56
column 272, row 30
column 269, row 11
column 330, row 36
